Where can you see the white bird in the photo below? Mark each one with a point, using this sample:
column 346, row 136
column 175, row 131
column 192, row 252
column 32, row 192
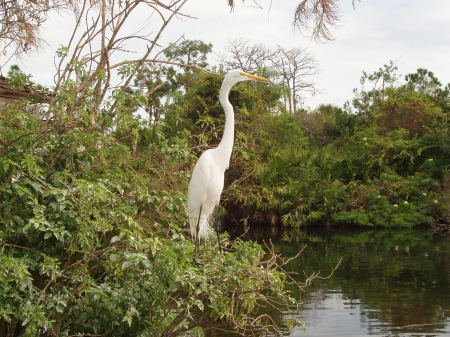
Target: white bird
column 207, row 179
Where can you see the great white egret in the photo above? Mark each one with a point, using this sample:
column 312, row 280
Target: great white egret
column 207, row 179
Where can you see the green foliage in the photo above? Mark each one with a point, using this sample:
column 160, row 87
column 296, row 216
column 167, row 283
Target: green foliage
column 92, row 240
column 17, row 78
column 425, row 82
column 92, row 206
column 327, row 123
column 190, row 52
column 385, row 164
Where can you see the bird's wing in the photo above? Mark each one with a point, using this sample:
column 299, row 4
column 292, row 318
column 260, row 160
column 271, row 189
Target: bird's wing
column 204, row 192
column 200, row 183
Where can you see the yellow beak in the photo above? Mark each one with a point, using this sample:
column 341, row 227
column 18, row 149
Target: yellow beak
column 256, row 78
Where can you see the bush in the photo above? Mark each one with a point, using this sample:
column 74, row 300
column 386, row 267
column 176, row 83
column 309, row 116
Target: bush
column 385, row 164
column 92, row 239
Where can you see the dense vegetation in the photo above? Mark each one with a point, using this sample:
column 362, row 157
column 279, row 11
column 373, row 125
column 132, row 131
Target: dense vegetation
column 381, row 160
column 92, row 206
column 93, row 238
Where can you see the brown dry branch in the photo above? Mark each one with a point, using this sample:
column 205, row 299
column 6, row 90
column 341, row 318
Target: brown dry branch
column 12, row 95
column 320, row 14
column 264, row 324
column 316, row 16
column 20, row 21
column 441, row 225
column 295, row 66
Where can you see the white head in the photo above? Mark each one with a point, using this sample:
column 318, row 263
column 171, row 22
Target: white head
column 235, row 76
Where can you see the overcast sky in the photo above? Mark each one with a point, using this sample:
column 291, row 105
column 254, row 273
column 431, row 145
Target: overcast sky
column 412, row 33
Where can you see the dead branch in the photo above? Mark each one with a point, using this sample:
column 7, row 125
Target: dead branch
column 316, row 16
column 294, row 67
column 191, row 66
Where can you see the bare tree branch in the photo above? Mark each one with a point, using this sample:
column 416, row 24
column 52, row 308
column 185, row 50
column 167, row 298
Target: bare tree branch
column 98, row 43
column 294, row 67
column 317, row 16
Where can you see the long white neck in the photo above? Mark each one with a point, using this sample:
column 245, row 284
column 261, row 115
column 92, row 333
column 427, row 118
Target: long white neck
column 226, row 144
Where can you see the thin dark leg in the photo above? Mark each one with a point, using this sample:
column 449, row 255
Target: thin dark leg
column 216, row 227
column 197, row 239
column 218, row 239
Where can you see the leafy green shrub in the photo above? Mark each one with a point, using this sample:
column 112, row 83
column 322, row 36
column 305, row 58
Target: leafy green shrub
column 92, row 240
column 385, row 164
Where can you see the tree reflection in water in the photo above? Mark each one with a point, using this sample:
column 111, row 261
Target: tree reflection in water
column 389, row 283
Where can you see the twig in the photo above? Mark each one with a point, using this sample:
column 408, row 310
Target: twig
column 168, row 62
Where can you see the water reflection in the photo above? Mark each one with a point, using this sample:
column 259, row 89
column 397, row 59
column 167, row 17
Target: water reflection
column 390, row 283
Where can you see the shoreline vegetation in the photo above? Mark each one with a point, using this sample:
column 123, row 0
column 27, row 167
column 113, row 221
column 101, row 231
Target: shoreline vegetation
column 379, row 161
column 94, row 171
column 94, row 237
column 92, row 205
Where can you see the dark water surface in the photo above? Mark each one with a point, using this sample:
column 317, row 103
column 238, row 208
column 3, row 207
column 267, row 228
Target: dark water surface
column 389, row 283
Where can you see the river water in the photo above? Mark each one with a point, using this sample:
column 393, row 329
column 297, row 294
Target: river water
column 389, row 282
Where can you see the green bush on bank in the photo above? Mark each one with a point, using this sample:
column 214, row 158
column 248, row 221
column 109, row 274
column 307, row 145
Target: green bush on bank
column 384, row 163
column 92, row 214
column 92, row 237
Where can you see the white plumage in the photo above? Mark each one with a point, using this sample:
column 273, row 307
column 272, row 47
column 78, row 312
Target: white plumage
column 207, row 179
